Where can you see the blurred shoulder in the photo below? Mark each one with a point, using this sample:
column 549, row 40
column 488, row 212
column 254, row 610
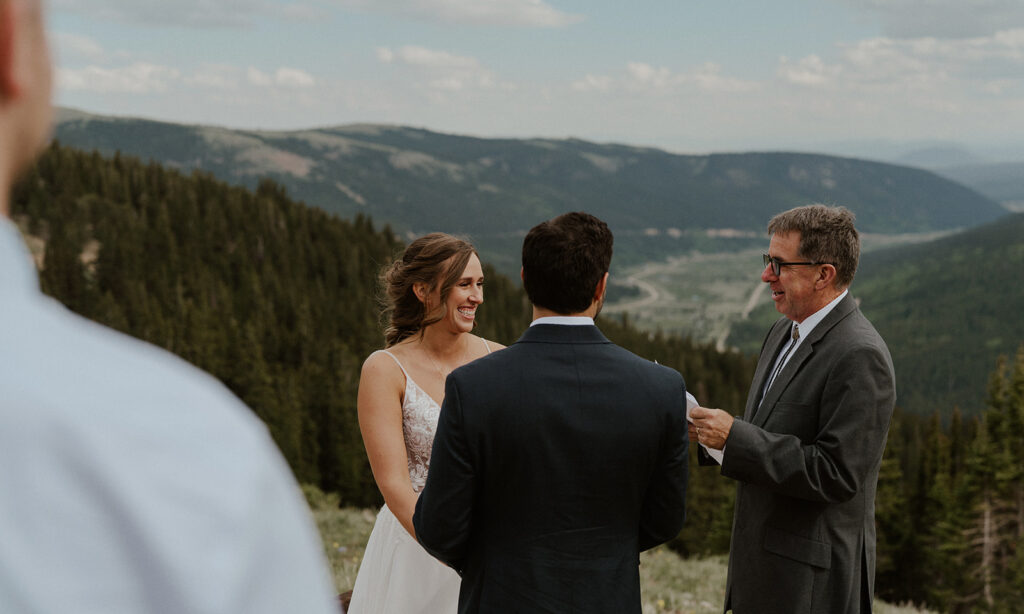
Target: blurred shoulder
column 102, row 397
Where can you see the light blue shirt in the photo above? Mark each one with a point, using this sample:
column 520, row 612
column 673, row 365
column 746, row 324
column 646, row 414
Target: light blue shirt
column 131, row 481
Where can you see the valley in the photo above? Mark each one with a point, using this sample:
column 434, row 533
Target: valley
column 703, row 294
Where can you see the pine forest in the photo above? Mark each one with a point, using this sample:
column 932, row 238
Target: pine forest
column 280, row 302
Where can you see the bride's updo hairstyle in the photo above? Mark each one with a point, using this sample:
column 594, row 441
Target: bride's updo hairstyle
column 436, row 259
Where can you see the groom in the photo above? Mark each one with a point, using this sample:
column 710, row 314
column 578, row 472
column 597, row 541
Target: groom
column 557, row 460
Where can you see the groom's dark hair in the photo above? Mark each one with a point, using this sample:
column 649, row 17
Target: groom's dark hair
column 564, row 259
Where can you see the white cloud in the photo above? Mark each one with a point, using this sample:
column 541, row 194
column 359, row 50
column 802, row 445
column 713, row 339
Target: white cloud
column 413, row 55
column 646, row 75
column 77, row 47
column 293, row 77
column 592, row 83
column 530, row 13
column 137, row 78
column 258, row 77
column 282, row 77
column 214, row 77
column 146, row 78
column 709, row 78
column 200, row 13
column 441, row 70
column 943, row 18
column 942, row 67
column 642, row 77
column 1000, row 56
column 810, row 70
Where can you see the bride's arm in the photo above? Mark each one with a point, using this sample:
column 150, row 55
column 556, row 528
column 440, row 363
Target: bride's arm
column 380, row 422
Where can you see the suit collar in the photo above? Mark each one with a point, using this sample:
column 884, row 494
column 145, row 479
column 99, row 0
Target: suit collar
column 776, row 339
column 555, row 333
column 840, row 311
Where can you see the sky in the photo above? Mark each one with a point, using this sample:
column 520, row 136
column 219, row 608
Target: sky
column 688, row 76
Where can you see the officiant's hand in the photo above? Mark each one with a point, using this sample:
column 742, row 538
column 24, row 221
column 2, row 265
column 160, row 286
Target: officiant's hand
column 711, row 426
column 692, row 430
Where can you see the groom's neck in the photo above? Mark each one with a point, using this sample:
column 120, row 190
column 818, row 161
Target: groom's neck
column 541, row 312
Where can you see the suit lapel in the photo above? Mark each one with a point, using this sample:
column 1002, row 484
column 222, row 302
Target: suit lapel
column 776, row 338
column 800, row 356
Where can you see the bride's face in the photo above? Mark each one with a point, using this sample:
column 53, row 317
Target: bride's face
column 463, row 298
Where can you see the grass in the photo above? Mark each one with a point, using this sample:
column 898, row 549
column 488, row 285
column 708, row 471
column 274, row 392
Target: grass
column 668, row 584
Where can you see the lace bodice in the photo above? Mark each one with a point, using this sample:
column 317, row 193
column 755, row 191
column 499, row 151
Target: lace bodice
column 419, row 421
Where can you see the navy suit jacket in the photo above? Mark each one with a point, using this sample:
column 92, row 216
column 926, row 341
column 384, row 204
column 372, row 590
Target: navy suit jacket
column 555, row 462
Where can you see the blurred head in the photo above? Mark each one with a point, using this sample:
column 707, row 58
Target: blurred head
column 564, row 259
column 25, row 86
column 418, row 286
column 817, row 249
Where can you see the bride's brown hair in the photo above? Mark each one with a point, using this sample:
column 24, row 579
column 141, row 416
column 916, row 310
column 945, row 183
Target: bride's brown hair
column 436, row 259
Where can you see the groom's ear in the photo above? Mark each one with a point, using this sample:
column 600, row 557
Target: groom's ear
column 602, row 287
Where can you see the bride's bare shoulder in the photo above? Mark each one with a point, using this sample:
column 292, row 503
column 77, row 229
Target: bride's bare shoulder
column 490, row 346
column 380, row 364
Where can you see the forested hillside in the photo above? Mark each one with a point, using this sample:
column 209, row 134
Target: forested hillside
column 658, row 203
column 948, row 309
column 277, row 300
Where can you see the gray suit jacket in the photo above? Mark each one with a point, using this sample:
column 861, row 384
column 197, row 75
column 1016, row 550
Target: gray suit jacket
column 807, row 461
column 555, row 462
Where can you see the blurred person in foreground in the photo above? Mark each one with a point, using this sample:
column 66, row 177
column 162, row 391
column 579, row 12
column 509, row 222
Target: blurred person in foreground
column 132, row 482
column 807, row 450
column 557, row 460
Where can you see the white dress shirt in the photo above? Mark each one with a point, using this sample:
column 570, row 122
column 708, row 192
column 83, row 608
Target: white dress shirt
column 565, row 320
column 132, row 482
column 805, row 327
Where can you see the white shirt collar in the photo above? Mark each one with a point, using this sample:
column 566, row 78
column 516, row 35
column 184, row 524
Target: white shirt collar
column 815, row 318
column 565, row 320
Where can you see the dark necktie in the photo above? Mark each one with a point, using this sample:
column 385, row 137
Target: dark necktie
column 792, row 344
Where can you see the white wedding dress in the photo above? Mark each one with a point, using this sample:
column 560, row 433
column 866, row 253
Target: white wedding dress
column 397, row 576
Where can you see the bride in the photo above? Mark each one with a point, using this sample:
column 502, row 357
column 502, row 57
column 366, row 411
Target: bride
column 432, row 295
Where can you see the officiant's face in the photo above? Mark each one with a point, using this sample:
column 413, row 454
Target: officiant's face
column 464, row 297
column 793, row 288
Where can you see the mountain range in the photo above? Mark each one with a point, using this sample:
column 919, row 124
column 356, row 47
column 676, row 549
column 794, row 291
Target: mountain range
column 657, row 203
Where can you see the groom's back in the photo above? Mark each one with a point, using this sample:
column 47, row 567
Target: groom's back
column 581, row 449
column 558, row 459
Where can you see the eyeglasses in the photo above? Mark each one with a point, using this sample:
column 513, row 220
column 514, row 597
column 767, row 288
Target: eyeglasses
column 778, row 264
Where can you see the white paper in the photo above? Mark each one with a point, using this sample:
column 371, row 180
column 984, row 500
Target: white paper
column 691, row 402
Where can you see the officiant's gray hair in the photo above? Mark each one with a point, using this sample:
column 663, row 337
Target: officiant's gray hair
column 827, row 235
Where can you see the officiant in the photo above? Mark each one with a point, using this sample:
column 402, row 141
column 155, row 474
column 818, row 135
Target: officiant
column 806, row 452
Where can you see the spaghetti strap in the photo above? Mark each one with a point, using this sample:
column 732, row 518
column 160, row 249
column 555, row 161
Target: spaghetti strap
column 487, row 346
column 406, row 373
